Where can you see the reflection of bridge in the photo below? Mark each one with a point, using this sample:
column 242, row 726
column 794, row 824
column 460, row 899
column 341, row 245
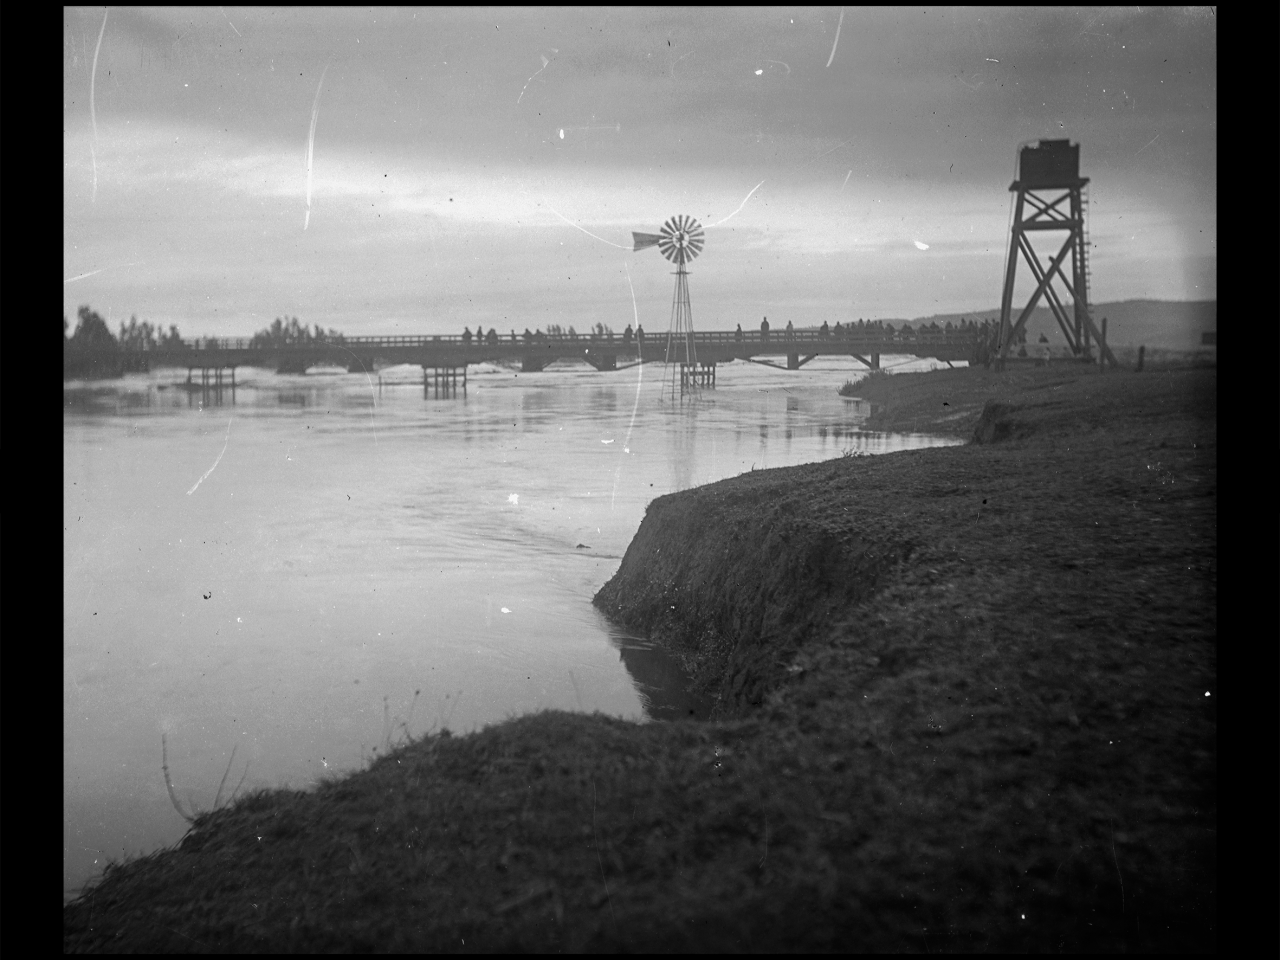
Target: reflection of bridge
column 449, row 354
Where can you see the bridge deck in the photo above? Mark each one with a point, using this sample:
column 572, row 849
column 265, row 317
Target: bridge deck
column 603, row 352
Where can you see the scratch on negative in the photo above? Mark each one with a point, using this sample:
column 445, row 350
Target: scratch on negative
column 215, row 463
column 740, row 206
column 93, row 113
column 81, row 276
column 626, row 444
column 545, row 63
column 311, row 142
column 836, row 43
column 600, row 861
column 229, row 23
column 584, row 230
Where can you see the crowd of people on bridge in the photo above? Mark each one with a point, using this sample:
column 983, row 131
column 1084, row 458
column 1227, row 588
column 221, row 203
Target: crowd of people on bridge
column 984, row 333
column 491, row 339
column 530, row 337
column 861, row 329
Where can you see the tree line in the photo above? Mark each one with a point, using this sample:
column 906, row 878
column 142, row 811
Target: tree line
column 93, row 333
column 289, row 333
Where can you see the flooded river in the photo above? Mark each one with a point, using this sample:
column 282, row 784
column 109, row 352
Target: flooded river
column 332, row 562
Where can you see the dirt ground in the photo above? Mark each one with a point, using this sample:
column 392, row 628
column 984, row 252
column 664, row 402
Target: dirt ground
column 966, row 701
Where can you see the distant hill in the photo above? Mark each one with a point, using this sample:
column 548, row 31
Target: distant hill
column 1171, row 324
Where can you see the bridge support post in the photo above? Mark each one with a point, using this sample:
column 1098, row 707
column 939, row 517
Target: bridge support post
column 793, row 361
column 697, row 374
column 440, row 382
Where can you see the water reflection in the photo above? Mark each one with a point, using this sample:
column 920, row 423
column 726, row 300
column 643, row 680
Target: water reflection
column 683, row 444
column 660, row 678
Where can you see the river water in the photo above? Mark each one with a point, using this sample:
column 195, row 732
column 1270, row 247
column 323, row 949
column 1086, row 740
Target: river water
column 331, row 562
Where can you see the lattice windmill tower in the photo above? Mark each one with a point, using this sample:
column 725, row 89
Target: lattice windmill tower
column 680, row 240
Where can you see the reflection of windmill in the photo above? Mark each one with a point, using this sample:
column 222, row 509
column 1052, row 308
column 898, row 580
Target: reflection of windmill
column 680, row 241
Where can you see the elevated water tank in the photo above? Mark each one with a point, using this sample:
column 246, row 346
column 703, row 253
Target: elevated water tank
column 1050, row 164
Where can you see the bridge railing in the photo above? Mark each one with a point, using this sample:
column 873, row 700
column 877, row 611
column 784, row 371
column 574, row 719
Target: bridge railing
column 800, row 338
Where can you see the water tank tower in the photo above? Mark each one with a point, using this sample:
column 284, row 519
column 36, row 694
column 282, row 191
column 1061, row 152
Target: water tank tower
column 1051, row 196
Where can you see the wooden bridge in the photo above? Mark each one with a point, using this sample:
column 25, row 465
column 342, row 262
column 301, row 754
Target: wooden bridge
column 445, row 356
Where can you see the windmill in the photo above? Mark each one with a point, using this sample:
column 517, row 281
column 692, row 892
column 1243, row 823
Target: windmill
column 680, row 240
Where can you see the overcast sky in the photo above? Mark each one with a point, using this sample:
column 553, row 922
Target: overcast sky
column 461, row 158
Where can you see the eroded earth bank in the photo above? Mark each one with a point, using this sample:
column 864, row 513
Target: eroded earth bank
column 966, row 700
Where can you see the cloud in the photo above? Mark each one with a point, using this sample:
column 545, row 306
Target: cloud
column 436, row 189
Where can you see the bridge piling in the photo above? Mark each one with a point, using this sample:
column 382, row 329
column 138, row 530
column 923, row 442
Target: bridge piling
column 873, row 363
column 440, row 382
column 697, row 374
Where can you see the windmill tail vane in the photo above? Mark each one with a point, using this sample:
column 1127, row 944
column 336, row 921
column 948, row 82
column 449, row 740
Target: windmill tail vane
column 643, row 240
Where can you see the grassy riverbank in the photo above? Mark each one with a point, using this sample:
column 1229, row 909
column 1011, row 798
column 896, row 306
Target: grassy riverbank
column 966, row 700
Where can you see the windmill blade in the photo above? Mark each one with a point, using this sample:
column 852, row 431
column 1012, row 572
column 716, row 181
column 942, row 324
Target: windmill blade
column 681, row 239
column 643, row 240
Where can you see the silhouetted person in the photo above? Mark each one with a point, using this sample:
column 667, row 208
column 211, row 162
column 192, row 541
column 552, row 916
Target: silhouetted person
column 764, row 329
column 737, row 334
column 466, row 335
column 791, row 331
column 640, row 334
column 627, row 334
column 825, row 331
